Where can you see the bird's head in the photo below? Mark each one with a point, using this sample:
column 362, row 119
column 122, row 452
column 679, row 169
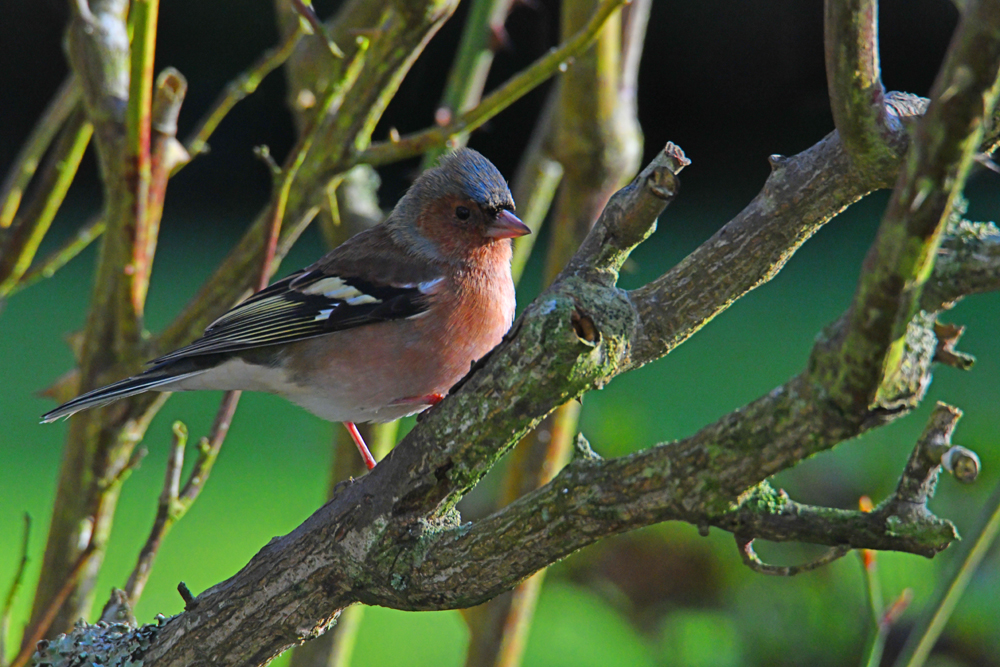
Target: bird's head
column 459, row 207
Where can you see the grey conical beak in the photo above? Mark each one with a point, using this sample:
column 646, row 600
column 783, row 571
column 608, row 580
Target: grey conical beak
column 507, row 226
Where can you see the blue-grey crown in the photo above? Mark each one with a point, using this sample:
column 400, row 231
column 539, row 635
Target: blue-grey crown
column 466, row 173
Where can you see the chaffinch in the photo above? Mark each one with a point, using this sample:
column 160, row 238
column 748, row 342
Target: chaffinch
column 379, row 328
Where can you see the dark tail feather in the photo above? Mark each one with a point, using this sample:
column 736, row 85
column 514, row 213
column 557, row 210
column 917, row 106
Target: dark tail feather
column 138, row 384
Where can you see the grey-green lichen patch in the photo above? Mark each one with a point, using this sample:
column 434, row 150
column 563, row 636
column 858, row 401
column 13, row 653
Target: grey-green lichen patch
column 397, row 581
column 921, row 531
column 582, row 451
column 110, row 645
column 764, row 499
column 908, row 364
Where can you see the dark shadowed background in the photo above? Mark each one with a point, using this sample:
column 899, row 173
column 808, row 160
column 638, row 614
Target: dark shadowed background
column 731, row 83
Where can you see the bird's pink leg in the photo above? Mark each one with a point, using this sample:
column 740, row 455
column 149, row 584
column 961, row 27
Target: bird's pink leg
column 360, row 442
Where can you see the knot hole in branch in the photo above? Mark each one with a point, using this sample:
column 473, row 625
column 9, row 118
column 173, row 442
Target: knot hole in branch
column 585, row 328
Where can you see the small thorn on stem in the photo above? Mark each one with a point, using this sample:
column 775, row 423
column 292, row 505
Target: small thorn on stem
column 189, row 600
column 263, row 153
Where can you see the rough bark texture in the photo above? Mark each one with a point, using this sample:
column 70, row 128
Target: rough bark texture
column 394, row 537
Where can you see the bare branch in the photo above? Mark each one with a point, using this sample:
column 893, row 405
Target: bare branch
column 802, row 194
column 175, row 501
column 164, row 517
column 854, row 80
column 753, row 561
column 968, row 262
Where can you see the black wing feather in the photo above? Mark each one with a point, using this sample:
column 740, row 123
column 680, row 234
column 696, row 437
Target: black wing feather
column 287, row 311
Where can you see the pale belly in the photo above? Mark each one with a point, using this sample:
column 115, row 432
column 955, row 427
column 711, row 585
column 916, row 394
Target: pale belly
column 377, row 378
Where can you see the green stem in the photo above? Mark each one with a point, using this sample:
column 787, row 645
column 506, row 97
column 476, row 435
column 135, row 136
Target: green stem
column 515, row 88
column 467, row 77
column 62, row 256
column 66, row 99
column 332, row 100
column 971, row 553
column 243, row 85
column 27, row 232
column 143, row 18
column 875, row 645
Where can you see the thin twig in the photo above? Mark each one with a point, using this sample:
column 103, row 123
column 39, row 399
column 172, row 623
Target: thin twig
column 467, row 78
column 174, row 502
column 872, row 655
column 58, row 258
column 35, row 635
column 163, row 152
column 305, row 143
column 304, row 9
column 208, row 449
column 8, row 604
column 751, row 560
column 515, row 88
column 66, row 99
column 164, row 516
column 239, row 88
column 854, row 78
column 28, row 230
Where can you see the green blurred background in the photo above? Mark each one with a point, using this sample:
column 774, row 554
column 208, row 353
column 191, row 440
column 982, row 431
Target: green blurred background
column 731, row 83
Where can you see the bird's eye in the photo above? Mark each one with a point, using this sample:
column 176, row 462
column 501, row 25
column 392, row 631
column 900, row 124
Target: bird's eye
column 462, row 213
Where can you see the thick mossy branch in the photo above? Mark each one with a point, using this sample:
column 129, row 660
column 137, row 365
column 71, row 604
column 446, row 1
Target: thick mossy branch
column 902, row 257
column 393, row 537
column 854, row 81
column 968, row 262
column 629, row 218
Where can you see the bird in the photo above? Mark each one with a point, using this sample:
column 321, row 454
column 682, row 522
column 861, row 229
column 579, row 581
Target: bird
column 380, row 327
